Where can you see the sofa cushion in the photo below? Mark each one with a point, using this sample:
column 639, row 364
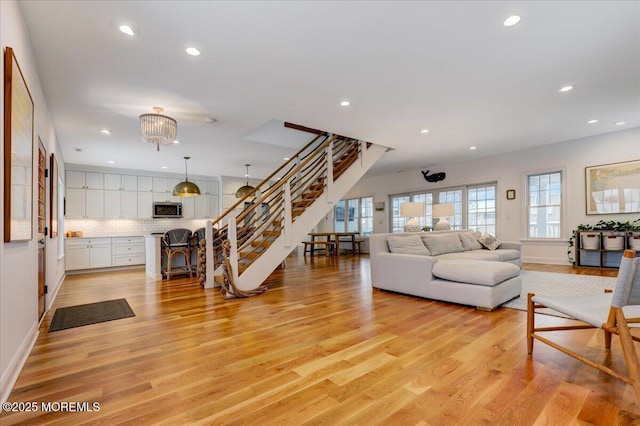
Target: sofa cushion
column 489, row 241
column 469, row 240
column 475, row 271
column 407, row 244
column 482, row 254
column 506, row 254
column 442, row 243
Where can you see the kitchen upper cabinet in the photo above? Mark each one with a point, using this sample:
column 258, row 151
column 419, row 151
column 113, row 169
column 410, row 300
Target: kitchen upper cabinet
column 188, row 207
column 120, row 205
column 85, row 180
column 84, row 203
column 120, row 182
column 145, row 184
column 145, row 205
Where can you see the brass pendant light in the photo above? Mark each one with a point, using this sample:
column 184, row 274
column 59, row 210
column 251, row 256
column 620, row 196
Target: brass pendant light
column 186, row 188
column 247, row 189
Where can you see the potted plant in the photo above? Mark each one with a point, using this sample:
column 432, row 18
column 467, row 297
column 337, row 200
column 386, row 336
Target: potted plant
column 610, row 225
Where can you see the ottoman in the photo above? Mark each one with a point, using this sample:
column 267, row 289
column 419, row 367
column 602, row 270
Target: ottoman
column 479, row 283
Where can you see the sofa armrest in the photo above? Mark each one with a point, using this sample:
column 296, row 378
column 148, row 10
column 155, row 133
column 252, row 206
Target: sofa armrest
column 393, row 271
column 511, row 245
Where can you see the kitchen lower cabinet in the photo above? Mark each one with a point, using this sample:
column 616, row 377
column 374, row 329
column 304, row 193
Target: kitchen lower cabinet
column 87, row 253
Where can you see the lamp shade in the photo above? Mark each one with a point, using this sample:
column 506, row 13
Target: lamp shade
column 247, row 189
column 186, row 188
column 158, row 129
column 412, row 209
column 443, row 210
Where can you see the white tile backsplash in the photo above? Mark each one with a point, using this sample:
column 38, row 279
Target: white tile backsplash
column 124, row 227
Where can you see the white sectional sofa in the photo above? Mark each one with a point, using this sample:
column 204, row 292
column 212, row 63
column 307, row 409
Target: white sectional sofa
column 451, row 266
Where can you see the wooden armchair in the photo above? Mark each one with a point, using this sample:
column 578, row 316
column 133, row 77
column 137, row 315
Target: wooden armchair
column 615, row 313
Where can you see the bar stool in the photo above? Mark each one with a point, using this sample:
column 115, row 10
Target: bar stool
column 177, row 241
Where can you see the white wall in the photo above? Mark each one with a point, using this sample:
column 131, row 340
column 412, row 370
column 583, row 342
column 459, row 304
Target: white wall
column 18, row 260
column 509, row 170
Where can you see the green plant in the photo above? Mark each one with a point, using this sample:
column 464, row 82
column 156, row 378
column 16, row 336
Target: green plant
column 610, row 225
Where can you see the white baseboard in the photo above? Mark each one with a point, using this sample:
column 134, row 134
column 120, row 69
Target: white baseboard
column 10, row 376
column 548, row 260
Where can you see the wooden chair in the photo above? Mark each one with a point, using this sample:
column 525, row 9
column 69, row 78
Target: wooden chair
column 613, row 312
column 176, row 241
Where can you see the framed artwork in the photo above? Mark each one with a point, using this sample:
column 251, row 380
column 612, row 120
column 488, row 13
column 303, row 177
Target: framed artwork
column 53, row 197
column 613, row 188
column 18, row 153
column 511, row 194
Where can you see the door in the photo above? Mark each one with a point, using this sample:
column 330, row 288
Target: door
column 42, row 230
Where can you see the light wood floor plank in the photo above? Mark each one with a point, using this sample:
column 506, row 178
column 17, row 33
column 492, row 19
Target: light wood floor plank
column 319, row 347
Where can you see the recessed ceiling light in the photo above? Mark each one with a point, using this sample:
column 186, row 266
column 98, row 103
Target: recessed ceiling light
column 193, row 51
column 511, row 21
column 565, row 88
column 345, row 103
column 126, row 30
column 106, row 131
column 423, row 131
column 473, row 147
column 620, row 123
column 286, row 158
column 592, row 121
column 163, row 167
column 111, row 162
column 210, row 120
column 176, row 141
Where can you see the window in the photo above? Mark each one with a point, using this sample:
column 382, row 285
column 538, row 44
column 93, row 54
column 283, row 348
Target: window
column 544, row 205
column 481, row 209
column 354, row 215
column 474, row 207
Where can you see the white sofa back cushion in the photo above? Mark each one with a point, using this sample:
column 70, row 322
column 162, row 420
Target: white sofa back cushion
column 442, row 243
column 409, row 244
column 469, row 240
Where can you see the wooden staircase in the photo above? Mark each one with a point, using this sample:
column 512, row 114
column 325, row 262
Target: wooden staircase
column 285, row 207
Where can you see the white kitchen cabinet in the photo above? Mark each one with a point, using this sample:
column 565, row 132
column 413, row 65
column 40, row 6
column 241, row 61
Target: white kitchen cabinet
column 84, row 203
column 188, row 206
column 87, row 253
column 94, row 203
column 145, row 184
column 120, row 205
column 116, row 182
column 74, row 179
column 127, row 251
column 145, row 205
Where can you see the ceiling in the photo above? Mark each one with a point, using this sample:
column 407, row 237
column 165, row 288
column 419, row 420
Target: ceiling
column 450, row 67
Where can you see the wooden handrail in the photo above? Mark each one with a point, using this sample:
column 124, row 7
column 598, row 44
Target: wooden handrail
column 266, row 180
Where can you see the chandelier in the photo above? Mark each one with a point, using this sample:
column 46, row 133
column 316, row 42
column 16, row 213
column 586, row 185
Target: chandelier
column 158, row 129
column 247, row 189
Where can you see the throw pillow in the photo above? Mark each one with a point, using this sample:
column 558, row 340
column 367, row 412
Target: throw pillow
column 469, row 241
column 442, row 243
column 410, row 244
column 489, row 241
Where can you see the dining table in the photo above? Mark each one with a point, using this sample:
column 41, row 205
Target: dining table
column 336, row 237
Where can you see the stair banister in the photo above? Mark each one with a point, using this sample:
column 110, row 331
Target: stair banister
column 288, row 219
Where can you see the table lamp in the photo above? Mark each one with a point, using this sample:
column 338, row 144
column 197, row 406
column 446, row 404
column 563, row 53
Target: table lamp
column 412, row 210
column 443, row 211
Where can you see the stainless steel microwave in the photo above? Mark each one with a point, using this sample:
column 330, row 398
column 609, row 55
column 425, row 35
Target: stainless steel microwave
column 164, row 209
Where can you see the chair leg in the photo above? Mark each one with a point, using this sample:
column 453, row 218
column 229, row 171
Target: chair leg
column 187, row 258
column 629, row 351
column 530, row 322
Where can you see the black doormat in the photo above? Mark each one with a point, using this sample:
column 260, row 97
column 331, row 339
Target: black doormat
column 91, row 313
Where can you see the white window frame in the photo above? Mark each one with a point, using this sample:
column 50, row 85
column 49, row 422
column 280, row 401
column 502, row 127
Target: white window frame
column 359, row 216
column 563, row 202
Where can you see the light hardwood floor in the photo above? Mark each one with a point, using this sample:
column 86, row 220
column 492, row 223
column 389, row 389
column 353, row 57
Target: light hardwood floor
column 320, row 347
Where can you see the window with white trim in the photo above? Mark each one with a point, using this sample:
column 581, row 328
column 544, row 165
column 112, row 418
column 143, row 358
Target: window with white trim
column 544, row 205
column 474, row 207
column 354, row 215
